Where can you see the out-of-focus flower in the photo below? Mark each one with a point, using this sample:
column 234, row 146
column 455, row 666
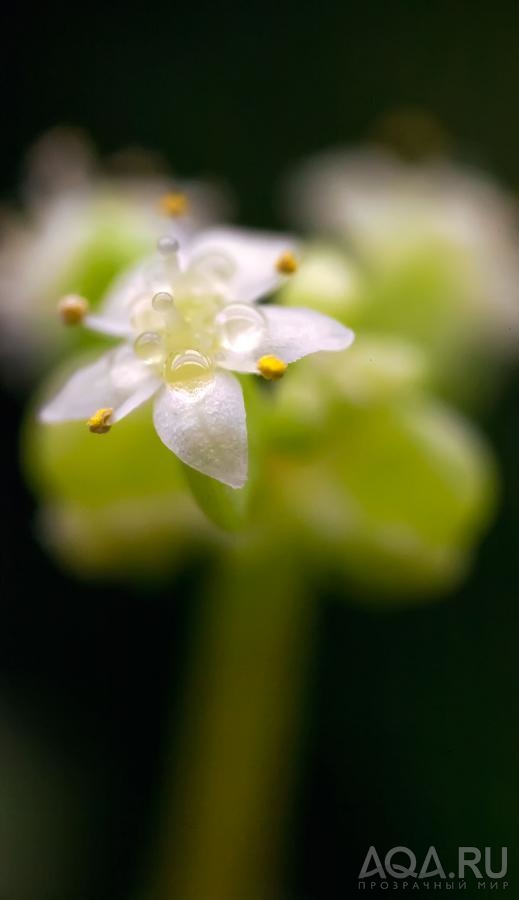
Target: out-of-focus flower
column 189, row 319
column 424, row 251
column 397, row 493
column 80, row 227
column 413, row 132
column 120, row 508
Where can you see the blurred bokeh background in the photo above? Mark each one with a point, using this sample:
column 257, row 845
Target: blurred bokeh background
column 158, row 742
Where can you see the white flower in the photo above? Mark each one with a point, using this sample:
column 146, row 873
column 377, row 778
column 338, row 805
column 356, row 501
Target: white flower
column 188, row 320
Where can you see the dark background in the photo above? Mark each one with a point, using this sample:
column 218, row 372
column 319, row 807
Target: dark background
column 411, row 730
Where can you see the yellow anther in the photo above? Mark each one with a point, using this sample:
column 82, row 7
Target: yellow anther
column 72, row 309
column 287, row 263
column 98, row 423
column 174, row 204
column 271, row 367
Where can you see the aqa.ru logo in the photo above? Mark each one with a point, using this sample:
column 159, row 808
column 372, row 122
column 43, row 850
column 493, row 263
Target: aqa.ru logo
column 468, row 859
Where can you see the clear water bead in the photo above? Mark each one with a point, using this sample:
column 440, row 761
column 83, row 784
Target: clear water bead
column 216, row 264
column 167, row 245
column 148, row 347
column 240, row 327
column 190, row 370
column 162, row 302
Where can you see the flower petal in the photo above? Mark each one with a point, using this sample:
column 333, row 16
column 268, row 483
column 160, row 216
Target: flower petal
column 118, row 380
column 114, row 313
column 141, row 281
column 291, row 334
column 254, row 255
column 111, row 326
column 206, row 431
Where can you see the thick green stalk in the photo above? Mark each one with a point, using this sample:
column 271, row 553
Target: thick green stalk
column 237, row 761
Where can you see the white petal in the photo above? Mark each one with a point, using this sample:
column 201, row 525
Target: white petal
column 110, row 326
column 254, row 255
column 291, row 334
column 144, row 279
column 115, row 310
column 207, row 432
column 117, row 380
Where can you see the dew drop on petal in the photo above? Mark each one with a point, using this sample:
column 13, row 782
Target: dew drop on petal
column 167, row 245
column 148, row 347
column 215, row 264
column 240, row 327
column 190, row 370
column 162, row 302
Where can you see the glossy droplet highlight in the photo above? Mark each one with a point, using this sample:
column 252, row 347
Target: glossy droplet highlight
column 240, row 328
column 217, row 265
column 190, row 370
column 162, row 302
column 167, row 246
column 148, row 347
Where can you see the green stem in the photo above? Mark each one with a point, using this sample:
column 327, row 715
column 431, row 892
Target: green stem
column 237, row 760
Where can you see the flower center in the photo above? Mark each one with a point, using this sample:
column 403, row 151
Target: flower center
column 189, row 370
column 183, row 323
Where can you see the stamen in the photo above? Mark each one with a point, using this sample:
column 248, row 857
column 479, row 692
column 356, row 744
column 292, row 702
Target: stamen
column 287, row 263
column 271, row 367
column 174, row 204
column 98, row 423
column 72, row 309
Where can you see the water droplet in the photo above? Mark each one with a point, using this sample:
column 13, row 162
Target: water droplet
column 162, row 302
column 215, row 264
column 190, row 370
column 240, row 327
column 167, row 245
column 148, row 347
